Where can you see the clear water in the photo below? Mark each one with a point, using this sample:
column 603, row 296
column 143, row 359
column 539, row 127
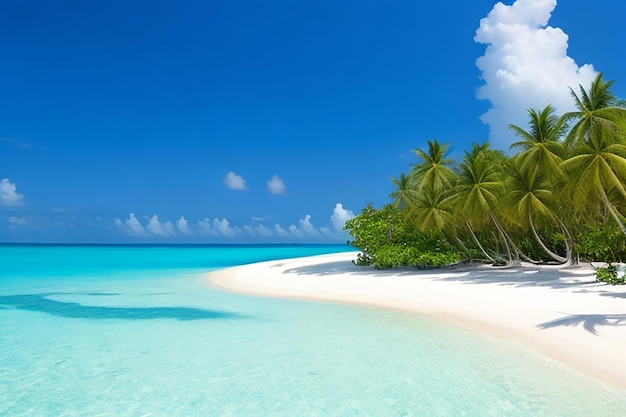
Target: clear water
column 134, row 331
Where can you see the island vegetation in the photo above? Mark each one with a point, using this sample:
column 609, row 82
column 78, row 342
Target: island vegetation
column 558, row 199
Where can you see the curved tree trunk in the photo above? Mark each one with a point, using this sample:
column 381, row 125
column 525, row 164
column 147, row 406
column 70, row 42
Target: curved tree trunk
column 609, row 206
column 503, row 236
column 553, row 255
column 509, row 241
column 469, row 226
column 569, row 245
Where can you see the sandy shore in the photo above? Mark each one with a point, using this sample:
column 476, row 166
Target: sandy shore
column 563, row 313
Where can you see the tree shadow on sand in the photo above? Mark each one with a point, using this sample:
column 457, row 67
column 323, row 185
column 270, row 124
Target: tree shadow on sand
column 463, row 273
column 588, row 321
column 40, row 303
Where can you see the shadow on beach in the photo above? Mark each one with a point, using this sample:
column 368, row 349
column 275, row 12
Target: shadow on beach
column 522, row 276
column 589, row 321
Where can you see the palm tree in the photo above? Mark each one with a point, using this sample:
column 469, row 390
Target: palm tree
column 597, row 169
column 476, row 194
column 433, row 172
column 596, row 107
column 404, row 194
column 530, row 195
column 541, row 149
column 429, row 211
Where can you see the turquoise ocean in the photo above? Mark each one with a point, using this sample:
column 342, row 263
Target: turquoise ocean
column 136, row 331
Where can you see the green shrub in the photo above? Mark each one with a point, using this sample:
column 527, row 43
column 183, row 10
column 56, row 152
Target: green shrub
column 612, row 274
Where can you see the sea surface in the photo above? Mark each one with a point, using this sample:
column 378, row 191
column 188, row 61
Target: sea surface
column 136, row 331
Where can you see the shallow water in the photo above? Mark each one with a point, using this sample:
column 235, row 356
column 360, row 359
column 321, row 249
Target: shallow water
column 134, row 331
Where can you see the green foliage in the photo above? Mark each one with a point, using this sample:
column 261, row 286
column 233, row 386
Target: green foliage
column 563, row 194
column 612, row 274
column 601, row 242
column 387, row 240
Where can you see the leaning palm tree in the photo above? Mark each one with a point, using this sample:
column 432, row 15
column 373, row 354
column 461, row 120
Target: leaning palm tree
column 541, row 149
column 597, row 169
column 529, row 196
column 476, row 194
column 433, row 172
column 596, row 107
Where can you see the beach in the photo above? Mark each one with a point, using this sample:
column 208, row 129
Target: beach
column 561, row 312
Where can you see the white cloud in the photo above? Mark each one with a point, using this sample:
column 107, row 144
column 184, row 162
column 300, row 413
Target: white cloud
column 235, row 182
column 14, row 222
column 307, row 227
column 327, row 232
column 260, row 219
column 340, row 216
column 525, row 66
column 280, row 231
column 160, row 229
column 8, row 194
column 276, row 186
column 223, row 226
column 131, row 226
column 204, row 226
column 249, row 230
column 263, row 231
column 294, row 231
column 183, row 226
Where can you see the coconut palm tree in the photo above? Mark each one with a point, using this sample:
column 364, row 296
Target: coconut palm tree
column 541, row 149
column 433, row 172
column 596, row 107
column 530, row 196
column 404, row 194
column 597, row 169
column 476, row 194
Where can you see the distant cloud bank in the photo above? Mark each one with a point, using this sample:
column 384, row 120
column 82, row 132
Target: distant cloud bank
column 304, row 230
column 525, row 65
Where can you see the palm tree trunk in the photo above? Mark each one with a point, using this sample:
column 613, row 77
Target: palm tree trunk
column 469, row 226
column 503, row 235
column 569, row 244
column 609, row 206
column 509, row 241
column 553, row 255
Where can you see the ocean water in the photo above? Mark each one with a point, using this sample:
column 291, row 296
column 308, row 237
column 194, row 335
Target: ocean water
column 135, row 331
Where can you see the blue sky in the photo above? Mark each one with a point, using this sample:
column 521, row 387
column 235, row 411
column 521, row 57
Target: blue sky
column 263, row 121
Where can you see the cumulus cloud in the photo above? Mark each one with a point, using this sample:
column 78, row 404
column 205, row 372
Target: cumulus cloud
column 327, row 232
column 307, row 227
column 131, row 226
column 160, row 229
column 263, row 231
column 276, row 186
column 204, row 227
column 280, row 231
column 340, row 216
column 224, row 228
column 235, row 182
column 294, row 231
column 8, row 194
column 248, row 230
column 525, row 65
column 183, row 226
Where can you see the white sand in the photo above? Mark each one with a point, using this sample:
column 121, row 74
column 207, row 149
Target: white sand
column 563, row 313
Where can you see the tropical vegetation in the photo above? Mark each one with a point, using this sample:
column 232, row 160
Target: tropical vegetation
column 558, row 199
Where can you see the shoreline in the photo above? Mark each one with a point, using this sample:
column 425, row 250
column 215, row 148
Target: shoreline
column 562, row 313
